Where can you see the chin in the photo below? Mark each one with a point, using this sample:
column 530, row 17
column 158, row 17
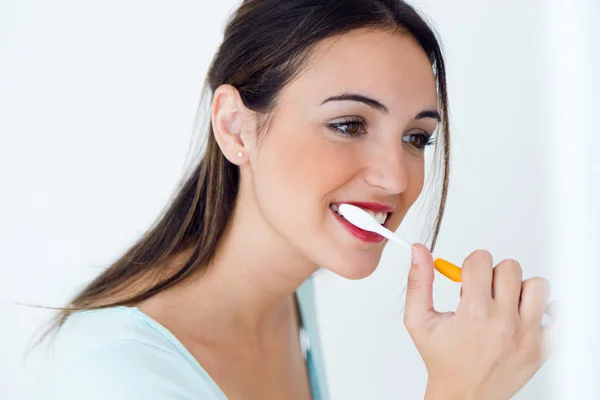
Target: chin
column 355, row 270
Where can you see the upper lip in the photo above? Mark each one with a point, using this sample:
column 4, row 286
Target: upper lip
column 375, row 207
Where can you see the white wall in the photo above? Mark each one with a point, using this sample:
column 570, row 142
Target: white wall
column 97, row 101
column 574, row 84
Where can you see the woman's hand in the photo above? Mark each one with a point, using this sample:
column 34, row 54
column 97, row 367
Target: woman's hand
column 494, row 342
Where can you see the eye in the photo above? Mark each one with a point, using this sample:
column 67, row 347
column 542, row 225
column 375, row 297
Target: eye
column 419, row 140
column 351, row 127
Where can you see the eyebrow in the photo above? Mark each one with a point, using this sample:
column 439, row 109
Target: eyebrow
column 429, row 114
column 378, row 105
column 360, row 98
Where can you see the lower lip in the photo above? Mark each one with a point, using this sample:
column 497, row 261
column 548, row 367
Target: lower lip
column 365, row 236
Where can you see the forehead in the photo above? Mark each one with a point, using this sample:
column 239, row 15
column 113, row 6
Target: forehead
column 391, row 67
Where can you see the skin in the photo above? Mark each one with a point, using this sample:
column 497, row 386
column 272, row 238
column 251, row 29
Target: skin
column 239, row 318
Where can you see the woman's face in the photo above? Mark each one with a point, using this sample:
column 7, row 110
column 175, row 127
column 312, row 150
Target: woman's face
column 350, row 129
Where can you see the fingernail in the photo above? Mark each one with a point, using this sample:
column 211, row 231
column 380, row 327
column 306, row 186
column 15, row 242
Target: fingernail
column 415, row 255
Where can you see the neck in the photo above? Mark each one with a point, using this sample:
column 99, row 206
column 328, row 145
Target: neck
column 247, row 289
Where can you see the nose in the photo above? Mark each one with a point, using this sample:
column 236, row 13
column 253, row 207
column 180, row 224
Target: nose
column 386, row 168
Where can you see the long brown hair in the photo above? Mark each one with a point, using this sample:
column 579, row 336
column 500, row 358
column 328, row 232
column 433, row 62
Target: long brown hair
column 266, row 44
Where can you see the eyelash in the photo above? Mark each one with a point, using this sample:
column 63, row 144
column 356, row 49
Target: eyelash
column 336, row 126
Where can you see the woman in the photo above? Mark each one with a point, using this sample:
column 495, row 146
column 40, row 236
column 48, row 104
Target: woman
column 315, row 103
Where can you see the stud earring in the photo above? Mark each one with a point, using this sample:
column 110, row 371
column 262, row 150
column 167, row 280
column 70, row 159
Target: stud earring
column 240, row 154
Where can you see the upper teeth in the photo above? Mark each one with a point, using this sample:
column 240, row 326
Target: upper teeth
column 380, row 217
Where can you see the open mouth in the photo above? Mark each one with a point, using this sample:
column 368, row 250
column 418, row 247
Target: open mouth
column 379, row 212
column 380, row 217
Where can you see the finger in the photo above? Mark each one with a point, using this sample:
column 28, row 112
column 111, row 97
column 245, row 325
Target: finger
column 419, row 290
column 477, row 277
column 507, row 285
column 535, row 293
column 552, row 310
column 550, row 340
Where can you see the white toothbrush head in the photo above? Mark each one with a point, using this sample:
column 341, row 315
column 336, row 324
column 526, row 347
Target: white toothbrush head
column 363, row 220
column 360, row 218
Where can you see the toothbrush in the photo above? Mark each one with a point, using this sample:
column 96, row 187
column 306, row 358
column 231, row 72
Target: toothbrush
column 362, row 219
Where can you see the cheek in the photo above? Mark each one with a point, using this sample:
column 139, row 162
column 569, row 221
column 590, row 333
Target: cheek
column 415, row 180
column 293, row 175
column 416, row 176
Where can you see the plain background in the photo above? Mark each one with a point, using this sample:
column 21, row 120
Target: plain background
column 97, row 105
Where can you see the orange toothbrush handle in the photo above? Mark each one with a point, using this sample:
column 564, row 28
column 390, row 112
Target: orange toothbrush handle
column 447, row 269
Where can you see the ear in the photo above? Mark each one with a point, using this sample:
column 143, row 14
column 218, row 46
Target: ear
column 227, row 119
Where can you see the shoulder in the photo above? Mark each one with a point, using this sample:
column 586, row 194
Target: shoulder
column 116, row 354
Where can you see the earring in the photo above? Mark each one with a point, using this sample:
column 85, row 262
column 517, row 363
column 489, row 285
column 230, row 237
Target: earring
column 240, row 154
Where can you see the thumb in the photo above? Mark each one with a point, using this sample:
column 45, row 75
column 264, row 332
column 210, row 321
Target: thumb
column 419, row 289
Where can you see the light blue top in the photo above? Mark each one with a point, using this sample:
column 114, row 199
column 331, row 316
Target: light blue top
column 120, row 353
